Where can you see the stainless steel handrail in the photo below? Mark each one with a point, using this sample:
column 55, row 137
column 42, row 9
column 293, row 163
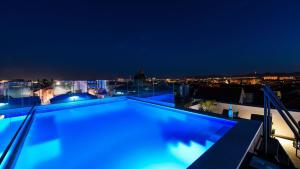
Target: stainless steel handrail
column 283, row 111
column 5, row 158
column 282, row 107
column 270, row 97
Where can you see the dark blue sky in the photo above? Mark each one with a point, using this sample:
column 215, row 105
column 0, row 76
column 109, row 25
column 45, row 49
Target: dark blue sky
column 94, row 39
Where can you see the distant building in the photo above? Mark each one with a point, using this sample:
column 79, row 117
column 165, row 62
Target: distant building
column 97, row 84
column 278, row 78
column 251, row 80
column 92, row 84
column 286, row 78
column 80, row 86
column 220, row 94
column 267, row 78
column 140, row 76
column 102, row 84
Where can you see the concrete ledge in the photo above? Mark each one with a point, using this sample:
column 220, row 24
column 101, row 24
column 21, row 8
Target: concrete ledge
column 245, row 111
column 230, row 151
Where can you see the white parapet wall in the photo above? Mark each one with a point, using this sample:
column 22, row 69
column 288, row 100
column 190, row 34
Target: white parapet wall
column 281, row 128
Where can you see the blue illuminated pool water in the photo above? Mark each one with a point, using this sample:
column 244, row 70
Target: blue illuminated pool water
column 119, row 135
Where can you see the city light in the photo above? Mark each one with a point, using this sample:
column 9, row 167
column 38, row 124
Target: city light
column 120, row 93
column 2, row 117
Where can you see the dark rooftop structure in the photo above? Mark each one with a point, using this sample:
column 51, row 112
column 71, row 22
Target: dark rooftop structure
column 220, row 94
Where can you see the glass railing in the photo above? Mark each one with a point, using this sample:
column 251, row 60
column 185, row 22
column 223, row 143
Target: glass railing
column 23, row 94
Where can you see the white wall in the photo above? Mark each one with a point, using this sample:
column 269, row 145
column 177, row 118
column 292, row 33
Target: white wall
column 281, row 128
column 58, row 90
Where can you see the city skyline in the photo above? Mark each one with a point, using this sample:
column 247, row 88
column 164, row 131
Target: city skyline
column 89, row 40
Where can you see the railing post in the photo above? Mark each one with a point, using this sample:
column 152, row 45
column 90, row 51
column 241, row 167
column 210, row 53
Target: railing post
column 265, row 125
column 269, row 118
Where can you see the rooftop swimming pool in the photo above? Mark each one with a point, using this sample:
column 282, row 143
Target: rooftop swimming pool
column 119, row 134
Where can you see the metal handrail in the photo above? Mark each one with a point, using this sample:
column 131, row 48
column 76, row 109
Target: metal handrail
column 271, row 98
column 287, row 120
column 285, row 109
column 291, row 122
column 17, row 133
column 281, row 106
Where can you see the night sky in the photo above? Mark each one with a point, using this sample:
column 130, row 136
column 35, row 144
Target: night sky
column 93, row 39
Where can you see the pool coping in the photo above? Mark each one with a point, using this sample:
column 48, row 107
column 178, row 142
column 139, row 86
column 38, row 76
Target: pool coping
column 230, row 151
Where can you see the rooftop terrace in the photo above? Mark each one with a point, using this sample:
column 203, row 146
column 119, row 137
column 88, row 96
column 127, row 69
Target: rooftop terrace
column 204, row 150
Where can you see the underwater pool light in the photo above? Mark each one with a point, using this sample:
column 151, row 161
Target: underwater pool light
column 3, row 104
column 74, row 98
column 2, row 117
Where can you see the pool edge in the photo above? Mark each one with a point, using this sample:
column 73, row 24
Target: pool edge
column 230, row 151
